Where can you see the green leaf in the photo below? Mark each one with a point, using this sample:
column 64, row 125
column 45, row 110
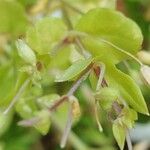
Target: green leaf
column 25, row 52
column 44, row 124
column 13, row 19
column 74, row 70
column 46, row 34
column 5, row 122
column 119, row 134
column 127, row 88
column 118, row 30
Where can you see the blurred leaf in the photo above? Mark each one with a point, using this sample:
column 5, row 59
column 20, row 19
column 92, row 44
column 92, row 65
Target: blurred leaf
column 17, row 138
column 44, row 122
column 27, row 2
column 5, row 122
column 26, row 108
column 13, row 19
column 25, row 52
column 118, row 30
column 7, row 82
column 46, row 34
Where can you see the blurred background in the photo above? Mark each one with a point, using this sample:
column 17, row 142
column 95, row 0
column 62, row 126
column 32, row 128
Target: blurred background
column 18, row 15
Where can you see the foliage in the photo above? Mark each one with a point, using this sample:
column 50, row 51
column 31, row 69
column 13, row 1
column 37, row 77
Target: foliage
column 61, row 58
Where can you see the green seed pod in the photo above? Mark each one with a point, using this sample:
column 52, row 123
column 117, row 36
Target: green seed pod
column 25, row 52
column 106, row 96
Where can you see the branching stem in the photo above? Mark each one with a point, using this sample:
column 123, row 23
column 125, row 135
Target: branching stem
column 75, row 86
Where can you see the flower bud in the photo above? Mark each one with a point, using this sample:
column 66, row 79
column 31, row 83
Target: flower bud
column 145, row 72
column 25, row 52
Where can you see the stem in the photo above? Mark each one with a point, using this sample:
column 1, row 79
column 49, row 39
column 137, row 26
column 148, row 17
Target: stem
column 75, row 86
column 78, row 82
column 101, row 77
column 65, row 15
column 67, row 128
column 81, row 47
column 128, row 140
column 97, row 116
column 18, row 95
column 29, row 122
column 70, row 27
column 58, row 102
column 72, row 7
column 73, row 138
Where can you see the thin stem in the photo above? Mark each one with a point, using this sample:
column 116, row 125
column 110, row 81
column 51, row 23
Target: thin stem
column 58, row 102
column 77, row 83
column 66, row 18
column 70, row 27
column 101, row 76
column 81, row 47
column 128, row 140
column 67, row 128
column 18, row 96
column 72, row 7
column 97, row 116
column 74, row 140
